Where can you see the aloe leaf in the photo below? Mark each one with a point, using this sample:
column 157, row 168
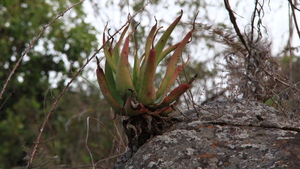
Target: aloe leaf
column 108, row 51
column 106, row 93
column 136, row 69
column 109, row 59
column 115, row 56
column 166, row 111
column 164, row 38
column 147, row 94
column 175, row 75
column 109, row 76
column 165, row 52
column 176, row 93
column 167, row 80
column 123, row 76
column 109, row 72
column 112, row 84
column 172, row 80
column 149, row 42
column 116, row 49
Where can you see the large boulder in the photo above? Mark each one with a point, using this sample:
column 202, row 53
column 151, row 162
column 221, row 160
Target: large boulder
column 223, row 134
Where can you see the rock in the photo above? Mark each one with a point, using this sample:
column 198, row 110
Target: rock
column 224, row 134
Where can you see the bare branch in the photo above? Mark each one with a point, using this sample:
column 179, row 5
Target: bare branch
column 233, row 21
column 258, row 11
column 294, row 18
column 294, row 6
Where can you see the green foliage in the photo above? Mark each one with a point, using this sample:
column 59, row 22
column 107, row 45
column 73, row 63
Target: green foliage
column 63, row 42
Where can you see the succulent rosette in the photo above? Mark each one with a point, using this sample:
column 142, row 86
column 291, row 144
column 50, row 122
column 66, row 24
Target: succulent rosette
column 130, row 90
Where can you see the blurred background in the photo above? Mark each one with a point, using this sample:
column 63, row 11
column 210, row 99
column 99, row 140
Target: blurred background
column 82, row 130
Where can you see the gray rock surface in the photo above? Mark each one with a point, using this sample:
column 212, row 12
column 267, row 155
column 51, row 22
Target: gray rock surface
column 224, row 134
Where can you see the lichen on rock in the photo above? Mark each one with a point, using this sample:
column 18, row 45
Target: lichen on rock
column 224, row 134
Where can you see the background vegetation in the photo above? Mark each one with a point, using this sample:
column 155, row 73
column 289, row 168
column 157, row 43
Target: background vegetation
column 80, row 130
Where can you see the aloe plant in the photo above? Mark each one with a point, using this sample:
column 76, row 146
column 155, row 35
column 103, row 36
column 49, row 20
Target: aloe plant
column 130, row 90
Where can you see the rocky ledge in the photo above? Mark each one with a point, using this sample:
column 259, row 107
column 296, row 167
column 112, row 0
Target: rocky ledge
column 223, row 134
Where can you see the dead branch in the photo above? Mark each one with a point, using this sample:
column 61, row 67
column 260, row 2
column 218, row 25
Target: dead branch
column 233, row 21
column 294, row 17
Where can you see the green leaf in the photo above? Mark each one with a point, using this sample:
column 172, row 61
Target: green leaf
column 165, row 52
column 112, row 84
column 109, row 58
column 116, row 49
column 136, row 70
column 169, row 79
column 123, row 76
column 147, row 94
column 106, row 93
column 164, row 38
column 175, row 94
column 149, row 42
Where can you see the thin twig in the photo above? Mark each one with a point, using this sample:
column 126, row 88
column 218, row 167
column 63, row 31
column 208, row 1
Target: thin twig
column 295, row 19
column 119, row 134
column 87, row 137
column 31, row 45
column 114, row 156
column 294, row 6
column 86, row 140
column 233, row 21
column 258, row 11
column 278, row 79
column 37, row 142
column 5, row 100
